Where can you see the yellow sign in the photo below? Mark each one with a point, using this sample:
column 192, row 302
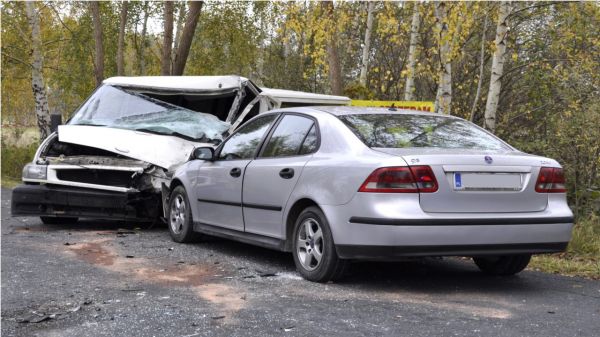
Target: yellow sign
column 411, row 105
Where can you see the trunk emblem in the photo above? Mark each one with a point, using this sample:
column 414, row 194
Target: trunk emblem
column 488, row 159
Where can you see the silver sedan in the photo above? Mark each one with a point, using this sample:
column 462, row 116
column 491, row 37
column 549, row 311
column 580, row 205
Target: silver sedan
column 333, row 184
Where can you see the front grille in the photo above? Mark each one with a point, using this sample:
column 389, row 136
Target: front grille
column 98, row 177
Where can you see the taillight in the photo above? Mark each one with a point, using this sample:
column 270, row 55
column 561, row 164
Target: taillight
column 550, row 180
column 411, row 179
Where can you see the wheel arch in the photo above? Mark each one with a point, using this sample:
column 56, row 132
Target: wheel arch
column 292, row 215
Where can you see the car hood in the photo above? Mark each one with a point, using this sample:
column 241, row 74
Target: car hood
column 161, row 150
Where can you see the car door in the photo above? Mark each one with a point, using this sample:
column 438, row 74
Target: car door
column 218, row 187
column 270, row 179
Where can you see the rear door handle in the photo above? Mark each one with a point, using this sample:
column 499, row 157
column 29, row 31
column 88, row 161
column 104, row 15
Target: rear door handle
column 286, row 173
column 235, row 172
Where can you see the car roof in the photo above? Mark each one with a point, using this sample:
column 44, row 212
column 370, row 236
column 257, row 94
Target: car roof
column 178, row 82
column 356, row 110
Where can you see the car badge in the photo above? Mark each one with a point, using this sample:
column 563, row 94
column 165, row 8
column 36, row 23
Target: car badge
column 488, row 159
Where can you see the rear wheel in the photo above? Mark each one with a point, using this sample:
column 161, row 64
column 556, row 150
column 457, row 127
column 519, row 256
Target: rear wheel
column 179, row 219
column 313, row 248
column 502, row 265
column 57, row 220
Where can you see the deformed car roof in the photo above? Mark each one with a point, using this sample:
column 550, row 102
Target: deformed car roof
column 199, row 83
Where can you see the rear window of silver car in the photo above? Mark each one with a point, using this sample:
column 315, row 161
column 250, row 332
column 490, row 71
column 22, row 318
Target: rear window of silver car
column 405, row 130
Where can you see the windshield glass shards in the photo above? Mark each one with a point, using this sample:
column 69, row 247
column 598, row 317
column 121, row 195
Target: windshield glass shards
column 406, row 130
column 119, row 108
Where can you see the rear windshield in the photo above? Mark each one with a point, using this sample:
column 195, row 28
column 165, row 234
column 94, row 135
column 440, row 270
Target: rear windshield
column 120, row 108
column 403, row 130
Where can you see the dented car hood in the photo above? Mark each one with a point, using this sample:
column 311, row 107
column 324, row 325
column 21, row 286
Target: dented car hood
column 161, row 150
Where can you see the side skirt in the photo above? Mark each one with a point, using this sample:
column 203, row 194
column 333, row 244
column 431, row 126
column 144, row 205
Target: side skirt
column 250, row 238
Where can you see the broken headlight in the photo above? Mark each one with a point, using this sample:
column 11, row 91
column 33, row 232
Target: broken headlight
column 34, row 171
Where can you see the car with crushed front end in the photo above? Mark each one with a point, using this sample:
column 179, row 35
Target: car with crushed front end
column 113, row 158
column 334, row 184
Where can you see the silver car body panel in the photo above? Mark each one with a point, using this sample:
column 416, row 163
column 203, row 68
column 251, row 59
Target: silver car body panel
column 331, row 177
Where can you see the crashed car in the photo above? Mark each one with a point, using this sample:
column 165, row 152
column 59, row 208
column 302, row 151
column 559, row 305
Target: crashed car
column 116, row 155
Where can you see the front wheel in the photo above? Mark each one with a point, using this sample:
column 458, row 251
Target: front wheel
column 314, row 251
column 502, row 265
column 181, row 226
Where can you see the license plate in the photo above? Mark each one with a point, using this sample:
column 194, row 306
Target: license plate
column 487, row 181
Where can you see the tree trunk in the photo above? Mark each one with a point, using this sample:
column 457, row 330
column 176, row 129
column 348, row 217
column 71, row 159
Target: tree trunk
column 497, row 66
column 367, row 45
column 121, row 41
column 409, row 88
column 180, row 19
column 99, row 56
column 443, row 99
column 42, row 111
column 165, row 67
column 335, row 71
column 481, row 64
column 142, row 50
column 187, row 35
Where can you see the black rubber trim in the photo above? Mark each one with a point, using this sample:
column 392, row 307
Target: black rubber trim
column 391, row 252
column 460, row 222
column 265, row 207
column 245, row 237
column 230, row 203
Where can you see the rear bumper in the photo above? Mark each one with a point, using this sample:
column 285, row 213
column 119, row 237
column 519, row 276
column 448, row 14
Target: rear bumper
column 64, row 201
column 396, row 252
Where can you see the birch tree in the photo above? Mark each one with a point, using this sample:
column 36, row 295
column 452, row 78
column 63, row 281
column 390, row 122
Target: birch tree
column 99, row 45
column 165, row 66
column 367, row 45
column 443, row 99
column 37, row 78
column 187, row 35
column 121, row 41
column 497, row 66
column 409, row 87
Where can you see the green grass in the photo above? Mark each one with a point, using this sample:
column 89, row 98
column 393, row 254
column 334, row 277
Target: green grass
column 582, row 258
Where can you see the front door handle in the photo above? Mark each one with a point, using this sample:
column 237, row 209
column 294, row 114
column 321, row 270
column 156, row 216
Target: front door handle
column 235, row 172
column 286, row 173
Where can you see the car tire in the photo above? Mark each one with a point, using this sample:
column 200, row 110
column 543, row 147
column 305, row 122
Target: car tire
column 313, row 248
column 57, row 220
column 179, row 219
column 502, row 265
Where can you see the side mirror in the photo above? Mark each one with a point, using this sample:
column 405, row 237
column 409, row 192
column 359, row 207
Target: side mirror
column 204, row 153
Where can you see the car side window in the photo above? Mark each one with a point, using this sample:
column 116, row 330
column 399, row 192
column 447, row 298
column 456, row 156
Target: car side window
column 310, row 142
column 243, row 143
column 288, row 137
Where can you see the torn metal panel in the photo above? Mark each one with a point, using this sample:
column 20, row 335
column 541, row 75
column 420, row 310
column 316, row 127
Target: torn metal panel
column 163, row 151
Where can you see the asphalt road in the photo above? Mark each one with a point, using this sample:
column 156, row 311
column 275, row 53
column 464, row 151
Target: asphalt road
column 114, row 279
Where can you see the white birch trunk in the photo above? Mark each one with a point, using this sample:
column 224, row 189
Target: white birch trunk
column 367, row 45
column 409, row 87
column 42, row 111
column 493, row 97
column 443, row 99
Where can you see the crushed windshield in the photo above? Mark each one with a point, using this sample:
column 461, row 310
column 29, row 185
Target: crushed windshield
column 405, row 130
column 119, row 108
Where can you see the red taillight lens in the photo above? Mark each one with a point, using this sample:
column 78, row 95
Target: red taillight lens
column 550, row 180
column 411, row 179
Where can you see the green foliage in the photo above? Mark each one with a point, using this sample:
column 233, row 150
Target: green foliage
column 14, row 158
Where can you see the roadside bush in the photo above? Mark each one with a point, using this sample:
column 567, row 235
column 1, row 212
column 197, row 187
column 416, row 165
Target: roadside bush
column 14, row 158
column 586, row 237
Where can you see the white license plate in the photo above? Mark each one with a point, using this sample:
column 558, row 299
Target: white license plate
column 487, row 181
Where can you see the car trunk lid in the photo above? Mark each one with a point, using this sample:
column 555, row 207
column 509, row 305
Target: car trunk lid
column 478, row 181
